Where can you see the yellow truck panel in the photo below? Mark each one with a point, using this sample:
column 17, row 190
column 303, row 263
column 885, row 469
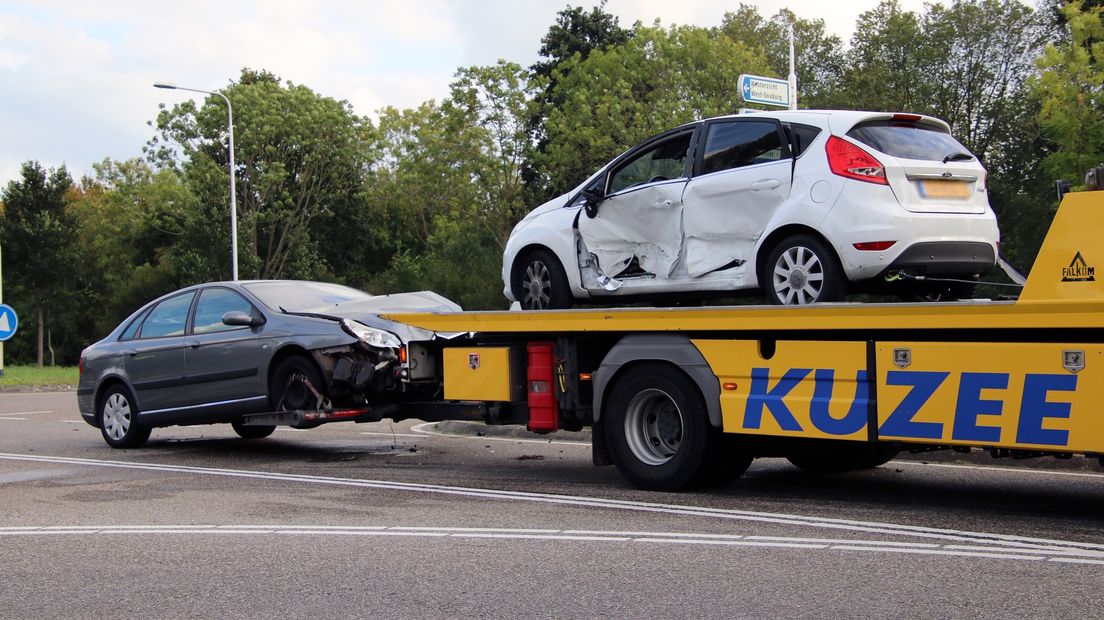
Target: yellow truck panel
column 1029, row 396
column 478, row 373
column 800, row 389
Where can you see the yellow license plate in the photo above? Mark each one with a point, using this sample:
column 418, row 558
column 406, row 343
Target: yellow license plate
column 938, row 188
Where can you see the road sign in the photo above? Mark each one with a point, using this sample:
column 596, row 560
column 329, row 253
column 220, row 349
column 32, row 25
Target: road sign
column 8, row 322
column 764, row 90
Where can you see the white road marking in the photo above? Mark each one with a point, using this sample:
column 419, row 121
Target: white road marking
column 392, row 434
column 3, row 418
column 1018, row 470
column 998, row 543
column 426, row 429
column 654, row 538
column 24, row 412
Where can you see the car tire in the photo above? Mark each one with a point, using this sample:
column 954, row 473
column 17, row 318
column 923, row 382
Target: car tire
column 252, row 432
column 802, row 270
column 860, row 458
column 117, row 414
column 659, row 433
column 540, row 282
column 288, row 390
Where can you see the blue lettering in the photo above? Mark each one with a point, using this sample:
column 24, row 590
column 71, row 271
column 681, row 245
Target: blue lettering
column 899, row 423
column 761, row 396
column 970, row 406
column 1034, row 408
column 822, row 418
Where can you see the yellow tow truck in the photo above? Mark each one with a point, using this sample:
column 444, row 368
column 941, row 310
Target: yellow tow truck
column 678, row 397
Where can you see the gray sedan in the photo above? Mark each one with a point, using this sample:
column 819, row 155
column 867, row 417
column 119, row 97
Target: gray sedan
column 215, row 353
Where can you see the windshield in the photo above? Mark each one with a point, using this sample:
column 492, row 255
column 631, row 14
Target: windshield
column 296, row 296
column 907, row 139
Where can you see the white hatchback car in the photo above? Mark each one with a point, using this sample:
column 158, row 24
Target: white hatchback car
column 804, row 205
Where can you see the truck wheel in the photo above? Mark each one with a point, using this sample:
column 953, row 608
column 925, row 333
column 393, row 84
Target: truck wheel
column 862, row 457
column 802, row 270
column 659, row 433
column 118, row 418
column 251, row 431
column 540, row 283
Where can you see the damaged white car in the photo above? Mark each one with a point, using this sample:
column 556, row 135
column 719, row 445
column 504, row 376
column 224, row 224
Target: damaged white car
column 803, row 205
column 253, row 354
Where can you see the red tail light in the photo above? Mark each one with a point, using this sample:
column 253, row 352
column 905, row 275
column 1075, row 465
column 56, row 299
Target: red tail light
column 873, row 246
column 848, row 160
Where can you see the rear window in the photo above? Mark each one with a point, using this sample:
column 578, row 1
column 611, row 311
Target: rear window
column 907, row 140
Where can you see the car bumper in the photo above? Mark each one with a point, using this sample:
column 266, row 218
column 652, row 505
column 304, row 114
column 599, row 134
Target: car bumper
column 86, row 404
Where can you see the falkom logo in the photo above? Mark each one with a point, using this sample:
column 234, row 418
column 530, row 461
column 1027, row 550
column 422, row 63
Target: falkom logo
column 1078, row 271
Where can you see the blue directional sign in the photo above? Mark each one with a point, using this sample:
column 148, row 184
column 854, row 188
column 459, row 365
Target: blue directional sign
column 765, row 90
column 8, row 322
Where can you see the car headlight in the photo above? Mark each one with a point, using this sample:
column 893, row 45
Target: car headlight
column 371, row 336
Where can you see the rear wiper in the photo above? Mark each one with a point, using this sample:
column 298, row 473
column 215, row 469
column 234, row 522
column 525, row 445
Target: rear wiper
column 958, row 157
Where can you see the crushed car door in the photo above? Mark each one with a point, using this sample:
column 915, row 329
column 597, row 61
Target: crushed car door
column 743, row 177
column 640, row 214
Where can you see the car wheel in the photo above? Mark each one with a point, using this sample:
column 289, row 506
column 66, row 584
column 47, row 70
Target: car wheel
column 541, row 283
column 802, row 270
column 252, row 432
column 297, row 386
column 659, row 433
column 118, row 417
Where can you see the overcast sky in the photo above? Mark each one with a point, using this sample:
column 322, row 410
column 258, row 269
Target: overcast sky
column 76, row 77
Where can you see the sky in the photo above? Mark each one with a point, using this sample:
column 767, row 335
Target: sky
column 76, row 77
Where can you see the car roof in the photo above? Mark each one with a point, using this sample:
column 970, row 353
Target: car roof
column 846, row 118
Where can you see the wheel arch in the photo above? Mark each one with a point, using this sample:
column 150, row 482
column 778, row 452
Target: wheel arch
column 781, row 233
column 673, row 349
column 283, row 353
column 525, row 251
column 108, row 382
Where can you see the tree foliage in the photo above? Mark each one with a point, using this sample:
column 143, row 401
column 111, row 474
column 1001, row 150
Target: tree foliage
column 38, row 237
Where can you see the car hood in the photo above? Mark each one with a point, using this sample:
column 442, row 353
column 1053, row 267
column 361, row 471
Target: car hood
column 368, row 311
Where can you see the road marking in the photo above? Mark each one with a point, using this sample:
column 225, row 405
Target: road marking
column 392, row 434
column 1079, row 474
column 1010, row 543
column 24, row 412
column 3, row 418
column 653, row 538
column 426, row 429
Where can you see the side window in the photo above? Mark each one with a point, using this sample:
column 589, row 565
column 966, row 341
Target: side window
column 800, row 136
column 663, row 161
column 735, row 144
column 132, row 330
column 215, row 302
column 167, row 318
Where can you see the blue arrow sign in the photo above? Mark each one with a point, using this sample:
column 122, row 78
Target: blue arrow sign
column 8, row 322
column 764, row 90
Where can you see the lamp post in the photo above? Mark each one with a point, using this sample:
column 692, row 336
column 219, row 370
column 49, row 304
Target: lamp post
column 233, row 195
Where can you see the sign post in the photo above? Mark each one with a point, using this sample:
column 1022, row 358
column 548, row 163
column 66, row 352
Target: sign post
column 764, row 90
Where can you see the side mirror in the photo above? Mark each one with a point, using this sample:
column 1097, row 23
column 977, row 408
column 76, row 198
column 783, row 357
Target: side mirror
column 237, row 318
column 593, row 199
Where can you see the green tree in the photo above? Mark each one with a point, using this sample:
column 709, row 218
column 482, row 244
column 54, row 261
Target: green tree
column 300, row 156
column 39, row 238
column 1070, row 87
column 819, row 57
column 658, row 79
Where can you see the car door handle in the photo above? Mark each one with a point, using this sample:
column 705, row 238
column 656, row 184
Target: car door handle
column 765, row 184
column 129, row 352
column 663, row 203
column 192, row 344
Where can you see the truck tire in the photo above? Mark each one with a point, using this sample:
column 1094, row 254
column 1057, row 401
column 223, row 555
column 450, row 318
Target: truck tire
column 117, row 414
column 659, row 433
column 866, row 457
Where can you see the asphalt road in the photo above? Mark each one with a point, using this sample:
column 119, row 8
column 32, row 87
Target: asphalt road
column 394, row 520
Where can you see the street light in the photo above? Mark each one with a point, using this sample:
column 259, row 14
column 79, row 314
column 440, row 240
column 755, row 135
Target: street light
column 233, row 198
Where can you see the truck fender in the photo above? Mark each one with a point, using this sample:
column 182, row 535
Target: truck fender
column 675, row 349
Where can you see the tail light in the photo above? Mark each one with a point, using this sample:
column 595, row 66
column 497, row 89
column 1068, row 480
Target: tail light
column 847, row 160
column 873, row 246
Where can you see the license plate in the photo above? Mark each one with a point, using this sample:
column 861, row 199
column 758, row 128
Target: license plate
column 938, row 188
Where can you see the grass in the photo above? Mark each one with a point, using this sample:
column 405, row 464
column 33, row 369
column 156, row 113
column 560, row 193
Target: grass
column 33, row 375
